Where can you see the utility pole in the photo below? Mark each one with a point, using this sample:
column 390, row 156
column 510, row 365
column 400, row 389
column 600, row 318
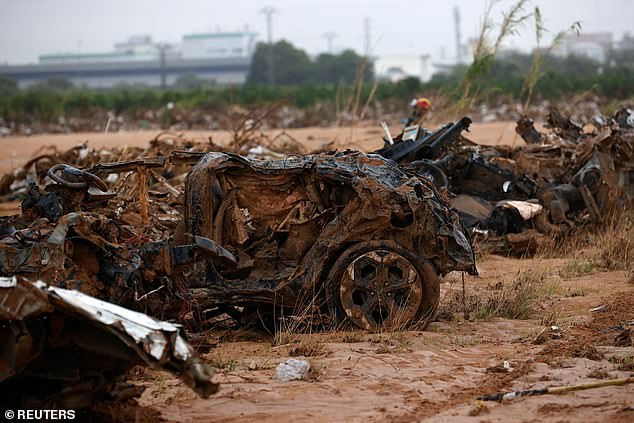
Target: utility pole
column 329, row 36
column 456, row 20
column 162, row 47
column 368, row 38
column 269, row 12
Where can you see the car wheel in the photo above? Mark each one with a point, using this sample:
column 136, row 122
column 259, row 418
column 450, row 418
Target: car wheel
column 381, row 285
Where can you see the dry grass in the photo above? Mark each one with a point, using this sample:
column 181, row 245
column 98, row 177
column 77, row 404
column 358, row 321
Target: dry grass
column 393, row 342
column 353, row 337
column 625, row 338
column 304, row 318
column 623, row 362
column 609, row 246
column 576, row 268
column 511, row 300
column 311, row 347
column 222, row 361
column 588, row 351
column 564, row 245
column 286, row 331
column 616, row 243
column 463, row 341
column 552, row 317
column 598, row 374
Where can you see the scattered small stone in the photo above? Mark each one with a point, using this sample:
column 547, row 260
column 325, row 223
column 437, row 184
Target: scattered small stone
column 292, row 369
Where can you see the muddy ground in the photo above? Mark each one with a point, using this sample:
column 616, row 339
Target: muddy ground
column 16, row 150
column 407, row 375
column 433, row 375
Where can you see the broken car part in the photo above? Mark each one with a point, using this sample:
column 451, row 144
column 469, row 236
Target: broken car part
column 64, row 349
column 346, row 230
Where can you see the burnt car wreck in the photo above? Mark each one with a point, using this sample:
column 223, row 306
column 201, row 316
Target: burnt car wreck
column 349, row 234
column 511, row 197
column 348, row 230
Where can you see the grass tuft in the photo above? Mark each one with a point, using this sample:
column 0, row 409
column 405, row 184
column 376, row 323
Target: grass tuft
column 511, row 300
column 222, row 361
column 576, row 268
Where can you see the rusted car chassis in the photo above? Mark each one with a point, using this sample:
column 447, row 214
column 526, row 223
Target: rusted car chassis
column 347, row 231
column 347, row 234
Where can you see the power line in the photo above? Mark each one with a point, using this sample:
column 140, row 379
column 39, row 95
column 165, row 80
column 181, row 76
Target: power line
column 162, row 66
column 269, row 12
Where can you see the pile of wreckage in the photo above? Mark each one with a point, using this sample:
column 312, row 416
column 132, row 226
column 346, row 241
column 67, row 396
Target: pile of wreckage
column 62, row 347
column 178, row 232
column 185, row 232
column 512, row 197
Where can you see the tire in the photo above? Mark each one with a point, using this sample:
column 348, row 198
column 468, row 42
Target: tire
column 378, row 285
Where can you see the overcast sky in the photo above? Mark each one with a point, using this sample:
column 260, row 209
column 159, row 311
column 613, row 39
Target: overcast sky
column 29, row 28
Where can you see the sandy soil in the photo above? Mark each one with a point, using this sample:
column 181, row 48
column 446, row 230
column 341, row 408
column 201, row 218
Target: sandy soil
column 433, row 375
column 406, row 376
column 16, row 150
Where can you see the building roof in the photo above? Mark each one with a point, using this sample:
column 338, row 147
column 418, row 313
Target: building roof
column 218, row 35
column 84, row 55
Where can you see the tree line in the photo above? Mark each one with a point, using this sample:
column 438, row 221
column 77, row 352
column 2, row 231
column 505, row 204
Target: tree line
column 302, row 81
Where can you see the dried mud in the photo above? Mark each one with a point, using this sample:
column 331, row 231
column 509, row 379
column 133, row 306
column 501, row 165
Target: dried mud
column 433, row 375
column 405, row 376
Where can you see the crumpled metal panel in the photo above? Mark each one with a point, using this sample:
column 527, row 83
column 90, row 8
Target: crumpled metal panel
column 21, row 301
column 289, row 219
column 77, row 251
column 135, row 338
column 154, row 336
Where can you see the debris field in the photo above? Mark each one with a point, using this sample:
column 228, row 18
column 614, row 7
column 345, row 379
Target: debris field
column 261, row 235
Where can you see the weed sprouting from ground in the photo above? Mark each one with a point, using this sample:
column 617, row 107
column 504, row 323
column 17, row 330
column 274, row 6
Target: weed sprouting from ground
column 286, row 330
column 576, row 268
column 303, row 318
column 486, row 48
column 553, row 317
column 222, row 361
column 514, row 299
column 535, row 71
column 311, row 347
column 616, row 243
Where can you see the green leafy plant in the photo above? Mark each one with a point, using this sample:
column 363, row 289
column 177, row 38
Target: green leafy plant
column 535, row 72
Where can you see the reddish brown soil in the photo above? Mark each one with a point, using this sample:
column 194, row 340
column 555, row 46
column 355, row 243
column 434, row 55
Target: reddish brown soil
column 433, row 375
column 406, row 376
column 16, row 150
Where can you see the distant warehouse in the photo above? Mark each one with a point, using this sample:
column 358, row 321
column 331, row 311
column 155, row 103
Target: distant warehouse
column 221, row 57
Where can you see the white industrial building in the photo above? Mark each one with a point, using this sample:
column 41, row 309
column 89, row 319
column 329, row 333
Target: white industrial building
column 595, row 46
column 397, row 67
column 218, row 45
column 221, row 57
